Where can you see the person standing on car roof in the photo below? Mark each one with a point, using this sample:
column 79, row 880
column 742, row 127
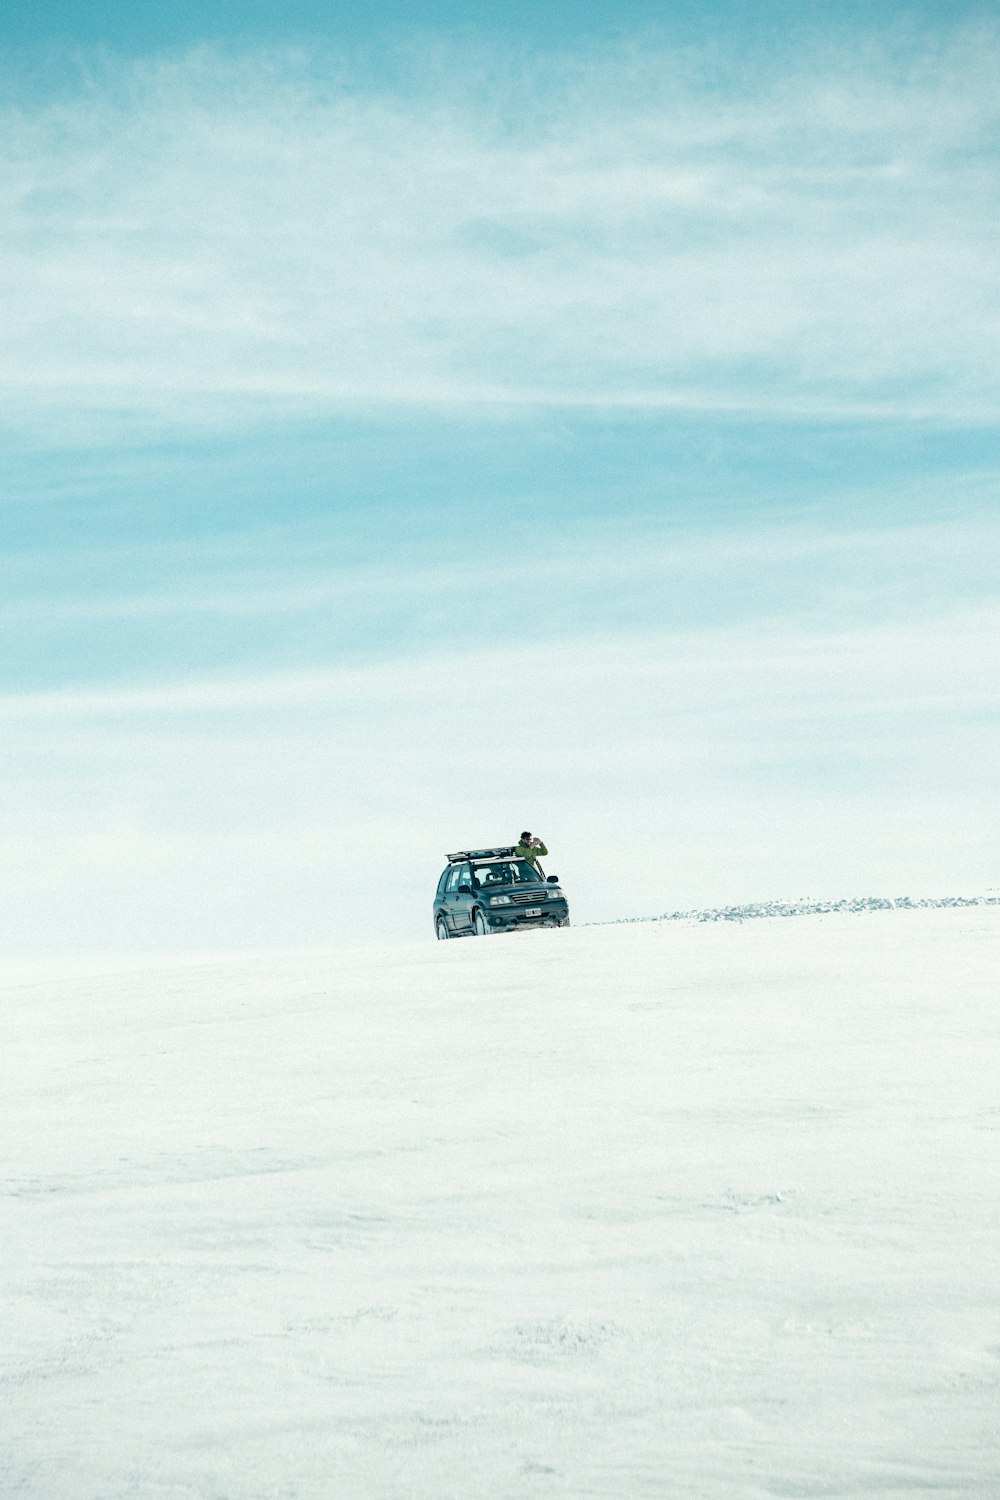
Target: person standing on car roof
column 530, row 849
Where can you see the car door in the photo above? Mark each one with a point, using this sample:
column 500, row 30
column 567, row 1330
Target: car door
column 458, row 905
column 442, row 886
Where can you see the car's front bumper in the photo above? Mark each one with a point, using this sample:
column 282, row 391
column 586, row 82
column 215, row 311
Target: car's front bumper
column 506, row 919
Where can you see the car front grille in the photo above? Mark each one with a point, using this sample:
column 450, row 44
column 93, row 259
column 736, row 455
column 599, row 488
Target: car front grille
column 528, row 897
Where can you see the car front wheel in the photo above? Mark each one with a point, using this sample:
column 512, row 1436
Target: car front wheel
column 480, row 925
column 441, row 928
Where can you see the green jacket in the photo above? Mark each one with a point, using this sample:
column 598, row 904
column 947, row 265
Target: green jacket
column 531, row 852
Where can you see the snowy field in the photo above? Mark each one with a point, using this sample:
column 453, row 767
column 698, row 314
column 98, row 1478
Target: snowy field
column 665, row 1210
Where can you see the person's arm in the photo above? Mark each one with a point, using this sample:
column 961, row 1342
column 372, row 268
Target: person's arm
column 539, row 848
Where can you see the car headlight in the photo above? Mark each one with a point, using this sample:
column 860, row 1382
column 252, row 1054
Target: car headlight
column 499, row 900
column 555, row 894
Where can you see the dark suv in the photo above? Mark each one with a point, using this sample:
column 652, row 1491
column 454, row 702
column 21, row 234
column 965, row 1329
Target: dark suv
column 491, row 890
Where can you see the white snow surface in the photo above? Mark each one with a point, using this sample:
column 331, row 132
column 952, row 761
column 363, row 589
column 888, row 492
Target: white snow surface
column 692, row 1210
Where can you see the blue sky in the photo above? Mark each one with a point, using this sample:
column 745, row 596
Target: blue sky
column 147, row 26
column 420, row 425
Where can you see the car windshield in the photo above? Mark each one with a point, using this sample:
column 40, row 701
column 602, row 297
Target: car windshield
column 507, row 872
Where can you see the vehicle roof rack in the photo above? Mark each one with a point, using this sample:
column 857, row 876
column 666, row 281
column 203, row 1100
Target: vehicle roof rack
column 505, row 853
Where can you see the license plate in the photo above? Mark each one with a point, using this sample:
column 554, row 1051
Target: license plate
column 533, row 911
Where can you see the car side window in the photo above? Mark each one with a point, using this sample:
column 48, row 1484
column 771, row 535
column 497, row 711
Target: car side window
column 453, row 878
column 443, row 881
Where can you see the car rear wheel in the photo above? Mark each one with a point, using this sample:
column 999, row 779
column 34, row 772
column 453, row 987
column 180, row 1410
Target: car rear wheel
column 441, row 928
column 480, row 925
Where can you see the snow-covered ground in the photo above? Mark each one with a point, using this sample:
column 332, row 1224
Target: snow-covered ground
column 669, row 1210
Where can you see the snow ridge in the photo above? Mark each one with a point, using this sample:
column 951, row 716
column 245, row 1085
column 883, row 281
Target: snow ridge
column 805, row 907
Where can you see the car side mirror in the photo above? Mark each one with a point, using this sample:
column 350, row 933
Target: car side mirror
column 553, row 879
column 465, row 890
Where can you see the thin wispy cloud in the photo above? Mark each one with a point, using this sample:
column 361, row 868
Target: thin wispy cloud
column 277, row 573
column 280, row 609
column 819, row 670
column 608, row 230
